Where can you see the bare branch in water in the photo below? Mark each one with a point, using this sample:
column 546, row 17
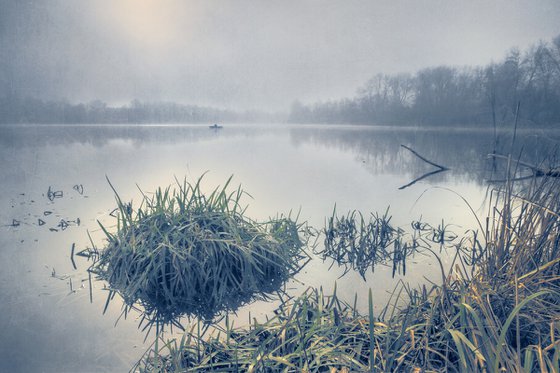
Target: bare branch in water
column 440, row 168
column 536, row 170
column 421, row 178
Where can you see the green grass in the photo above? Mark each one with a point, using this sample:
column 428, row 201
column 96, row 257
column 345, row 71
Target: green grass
column 311, row 333
column 497, row 308
column 186, row 253
column 360, row 245
column 357, row 244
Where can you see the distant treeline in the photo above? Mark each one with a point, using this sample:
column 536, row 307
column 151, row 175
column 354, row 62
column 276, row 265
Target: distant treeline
column 14, row 110
column 447, row 96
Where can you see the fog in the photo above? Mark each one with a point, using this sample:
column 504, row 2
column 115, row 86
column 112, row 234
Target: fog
column 247, row 54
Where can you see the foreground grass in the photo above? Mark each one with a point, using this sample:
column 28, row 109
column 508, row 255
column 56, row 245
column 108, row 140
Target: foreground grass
column 497, row 309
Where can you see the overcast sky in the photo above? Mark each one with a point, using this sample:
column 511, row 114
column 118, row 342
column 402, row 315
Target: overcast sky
column 248, row 54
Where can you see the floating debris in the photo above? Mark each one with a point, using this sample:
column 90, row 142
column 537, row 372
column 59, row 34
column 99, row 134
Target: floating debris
column 76, row 222
column 88, row 253
column 90, row 288
column 72, row 256
column 52, row 195
column 79, row 188
column 41, row 222
column 440, row 234
column 53, row 229
column 63, row 224
column 47, row 213
column 127, row 208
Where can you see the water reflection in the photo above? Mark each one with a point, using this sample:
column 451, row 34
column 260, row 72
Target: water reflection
column 49, row 326
column 464, row 152
column 378, row 148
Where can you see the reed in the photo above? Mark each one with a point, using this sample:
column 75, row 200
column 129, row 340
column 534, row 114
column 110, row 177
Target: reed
column 360, row 245
column 357, row 243
column 497, row 309
column 185, row 253
column 313, row 332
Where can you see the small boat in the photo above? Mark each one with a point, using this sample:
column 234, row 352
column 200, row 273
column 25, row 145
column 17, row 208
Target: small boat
column 215, row 127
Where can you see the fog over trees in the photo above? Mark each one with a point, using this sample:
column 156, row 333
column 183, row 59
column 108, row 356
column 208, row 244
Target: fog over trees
column 452, row 96
column 15, row 109
column 438, row 96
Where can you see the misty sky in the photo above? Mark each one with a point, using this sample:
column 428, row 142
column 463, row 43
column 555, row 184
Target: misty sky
column 247, row 54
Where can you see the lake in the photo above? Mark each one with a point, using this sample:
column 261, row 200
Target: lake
column 47, row 320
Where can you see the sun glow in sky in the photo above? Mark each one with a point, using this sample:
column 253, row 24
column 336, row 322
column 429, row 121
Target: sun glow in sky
column 150, row 23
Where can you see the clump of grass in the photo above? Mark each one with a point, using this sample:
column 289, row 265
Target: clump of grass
column 184, row 253
column 311, row 333
column 513, row 300
column 498, row 307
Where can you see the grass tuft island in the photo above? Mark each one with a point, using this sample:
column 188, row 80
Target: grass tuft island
column 184, row 253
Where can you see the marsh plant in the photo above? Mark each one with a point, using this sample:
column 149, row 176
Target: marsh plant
column 360, row 244
column 186, row 253
column 357, row 243
column 310, row 333
column 495, row 310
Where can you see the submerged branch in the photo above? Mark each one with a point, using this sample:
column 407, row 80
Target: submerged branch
column 440, row 168
column 536, row 170
column 421, row 178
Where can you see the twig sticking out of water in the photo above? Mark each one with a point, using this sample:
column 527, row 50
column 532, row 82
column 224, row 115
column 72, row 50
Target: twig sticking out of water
column 443, row 168
column 440, row 168
column 72, row 256
column 536, row 170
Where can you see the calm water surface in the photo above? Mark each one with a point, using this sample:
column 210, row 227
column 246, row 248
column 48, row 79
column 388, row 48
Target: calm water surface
column 47, row 321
